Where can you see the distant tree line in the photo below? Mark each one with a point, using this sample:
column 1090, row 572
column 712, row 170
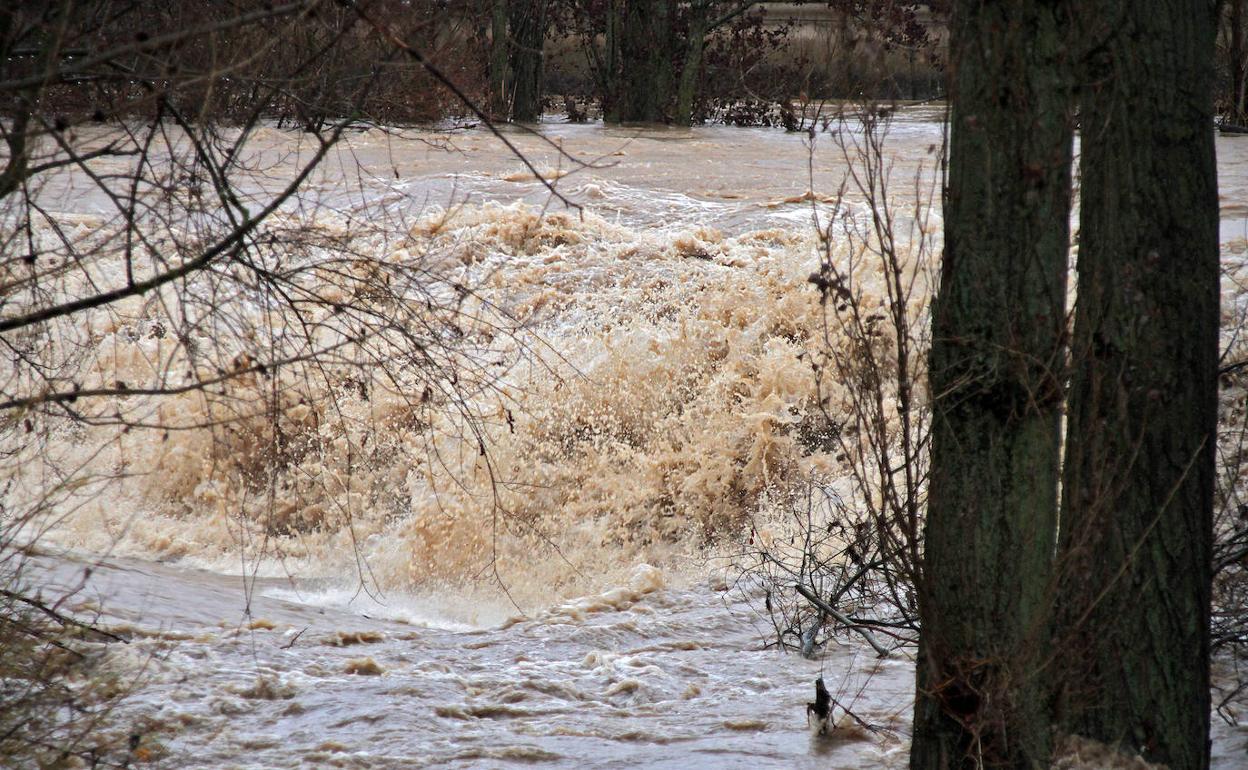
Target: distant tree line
column 302, row 64
column 639, row 60
column 675, row 61
column 669, row 61
column 683, row 61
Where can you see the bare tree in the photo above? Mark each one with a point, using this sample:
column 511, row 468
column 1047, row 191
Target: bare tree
column 849, row 556
column 175, row 271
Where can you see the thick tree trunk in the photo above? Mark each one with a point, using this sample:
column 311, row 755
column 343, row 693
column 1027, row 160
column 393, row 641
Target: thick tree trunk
column 500, row 101
column 687, row 92
column 528, row 35
column 1136, row 538
column 996, row 380
column 644, row 78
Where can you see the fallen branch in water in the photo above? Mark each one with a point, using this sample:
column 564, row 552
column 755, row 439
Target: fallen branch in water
column 294, row 639
column 814, row 599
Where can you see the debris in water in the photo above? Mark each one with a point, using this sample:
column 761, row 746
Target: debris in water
column 348, row 638
column 821, row 709
column 363, row 667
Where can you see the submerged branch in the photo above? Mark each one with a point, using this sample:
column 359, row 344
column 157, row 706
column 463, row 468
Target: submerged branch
column 60, row 618
column 844, row 619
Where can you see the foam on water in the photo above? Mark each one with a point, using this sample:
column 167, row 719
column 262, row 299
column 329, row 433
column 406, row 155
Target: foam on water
column 664, row 390
column 362, row 600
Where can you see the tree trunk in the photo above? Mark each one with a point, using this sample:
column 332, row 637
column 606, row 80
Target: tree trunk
column 1136, row 540
column 609, row 76
column 528, row 34
column 687, row 92
column 1239, row 65
column 500, row 106
column 644, row 78
column 996, row 379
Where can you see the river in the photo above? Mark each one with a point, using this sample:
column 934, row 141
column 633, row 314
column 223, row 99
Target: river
column 644, row 441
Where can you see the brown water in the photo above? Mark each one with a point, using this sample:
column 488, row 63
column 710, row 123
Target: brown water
column 653, row 428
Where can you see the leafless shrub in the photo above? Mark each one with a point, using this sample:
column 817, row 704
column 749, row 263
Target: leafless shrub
column 851, row 555
column 824, row 562
column 58, row 692
column 1229, row 632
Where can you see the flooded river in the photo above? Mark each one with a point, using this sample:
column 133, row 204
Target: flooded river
column 369, row 610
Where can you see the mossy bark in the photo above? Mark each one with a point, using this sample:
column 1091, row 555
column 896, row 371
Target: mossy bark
column 1136, row 539
column 996, row 381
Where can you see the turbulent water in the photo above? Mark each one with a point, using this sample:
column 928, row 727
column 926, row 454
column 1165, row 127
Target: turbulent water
column 383, row 604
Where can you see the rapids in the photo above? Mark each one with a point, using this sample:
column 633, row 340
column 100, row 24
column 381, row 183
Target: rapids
column 382, row 618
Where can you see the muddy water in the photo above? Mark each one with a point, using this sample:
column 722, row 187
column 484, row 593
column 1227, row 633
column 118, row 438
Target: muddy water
column 641, row 674
column 674, row 298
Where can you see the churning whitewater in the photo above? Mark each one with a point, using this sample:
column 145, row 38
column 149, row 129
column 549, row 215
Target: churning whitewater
column 535, row 564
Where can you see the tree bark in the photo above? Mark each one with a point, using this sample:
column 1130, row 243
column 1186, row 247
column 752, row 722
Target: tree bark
column 996, row 379
column 1136, row 540
column 500, row 102
column 687, row 92
column 528, row 34
column 610, row 70
column 1239, row 64
column 644, row 79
